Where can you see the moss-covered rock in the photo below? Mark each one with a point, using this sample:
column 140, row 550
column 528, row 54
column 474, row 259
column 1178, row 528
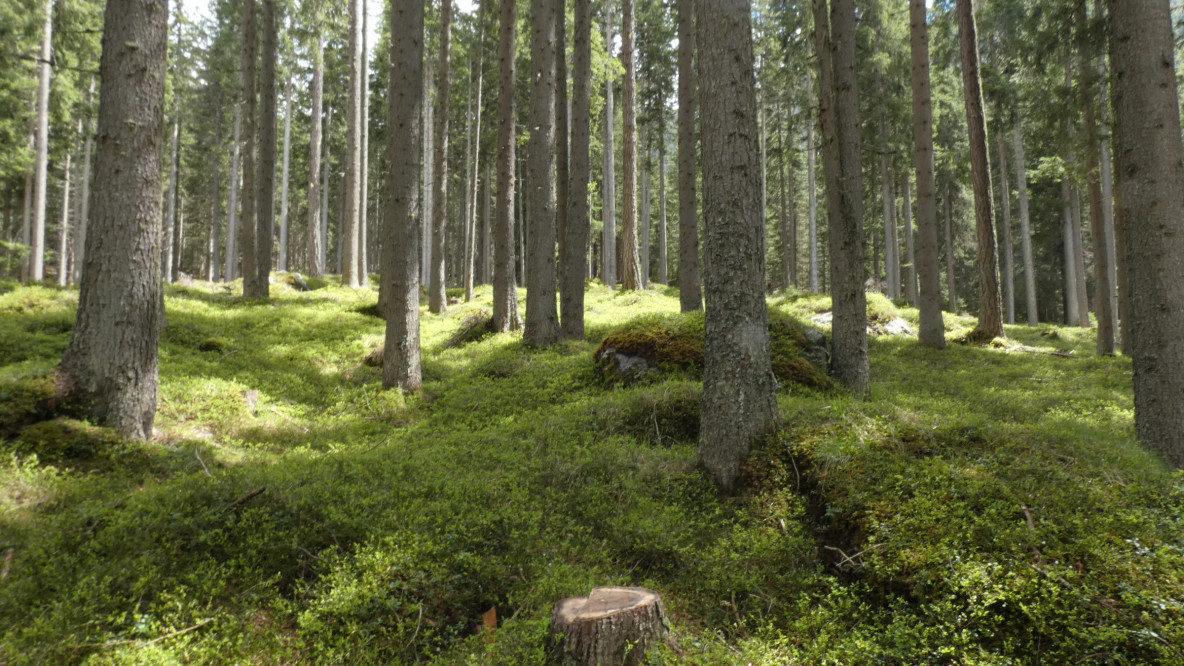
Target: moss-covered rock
column 650, row 345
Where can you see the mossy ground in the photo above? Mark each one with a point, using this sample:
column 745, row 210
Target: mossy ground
column 987, row 505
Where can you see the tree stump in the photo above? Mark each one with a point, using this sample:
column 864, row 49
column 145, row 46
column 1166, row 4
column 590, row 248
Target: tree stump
column 612, row 626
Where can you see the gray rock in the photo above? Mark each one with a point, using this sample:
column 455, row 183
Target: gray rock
column 623, row 368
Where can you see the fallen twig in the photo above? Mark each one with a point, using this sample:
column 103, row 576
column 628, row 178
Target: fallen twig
column 244, row 498
column 197, row 454
column 9, row 555
column 171, row 634
column 289, row 419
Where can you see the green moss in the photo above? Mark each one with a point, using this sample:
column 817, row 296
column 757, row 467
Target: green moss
column 21, row 398
column 64, row 439
column 213, row 345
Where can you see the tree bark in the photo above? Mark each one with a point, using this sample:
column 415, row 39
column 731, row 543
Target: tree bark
column 437, row 296
column 739, row 405
column 250, row 176
column 990, row 313
column 835, row 44
column 64, row 227
column 400, row 249
column 689, row 278
column 1005, row 234
column 951, row 279
column 170, row 218
column 84, row 199
column 41, row 165
column 1068, row 249
column 788, row 238
column 644, row 213
column 351, row 246
column 631, row 271
column 282, row 259
column 427, row 176
column 1151, row 168
column 612, row 625
column 574, row 262
column 1021, row 177
column 364, row 173
column 910, row 247
column 231, row 246
column 474, row 165
column 505, row 286
column 265, row 199
column 214, row 259
column 609, row 271
column 542, row 317
column 663, row 276
column 562, row 138
column 316, row 250
column 325, row 167
column 110, row 368
column 812, row 192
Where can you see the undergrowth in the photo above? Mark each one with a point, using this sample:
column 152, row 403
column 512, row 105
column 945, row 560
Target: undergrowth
column 987, row 505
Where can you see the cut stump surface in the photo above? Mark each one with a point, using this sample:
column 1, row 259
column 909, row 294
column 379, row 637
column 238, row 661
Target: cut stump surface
column 611, row 626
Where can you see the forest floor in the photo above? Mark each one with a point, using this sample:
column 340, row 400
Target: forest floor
column 986, row 505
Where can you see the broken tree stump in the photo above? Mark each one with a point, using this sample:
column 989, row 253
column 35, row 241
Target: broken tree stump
column 612, row 626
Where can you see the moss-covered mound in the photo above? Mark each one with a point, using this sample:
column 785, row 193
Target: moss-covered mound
column 675, row 343
column 66, row 440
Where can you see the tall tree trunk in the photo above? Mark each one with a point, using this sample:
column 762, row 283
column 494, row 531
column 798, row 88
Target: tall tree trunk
column 326, row 166
column 351, row 246
column 265, row 198
column 170, row 218
column 214, row 251
column 505, row 286
column 609, row 243
column 250, row 176
column 1021, row 177
column 41, row 165
column 631, row 275
column 282, row 258
column 428, row 178
column 910, row 248
column 110, row 368
column 1072, row 314
column 316, row 250
column 1005, row 234
column 231, row 271
column 644, row 214
column 84, row 199
column 364, row 173
column 437, row 297
column 487, row 228
column 399, row 272
column 1107, row 177
column 812, row 192
column 689, row 279
column 562, row 140
column 574, row 261
column 1151, row 168
column 835, row 45
column 64, row 227
column 951, row 280
column 990, row 312
column 788, row 258
column 474, row 165
column 739, row 392
column 888, row 197
column 663, row 276
column 542, row 318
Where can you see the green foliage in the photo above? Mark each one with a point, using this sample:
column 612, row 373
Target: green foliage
column 985, row 506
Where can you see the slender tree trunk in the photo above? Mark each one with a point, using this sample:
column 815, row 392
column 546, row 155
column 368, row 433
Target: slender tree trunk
column 110, row 368
column 231, row 271
column 1021, row 177
column 1005, row 234
column 542, row 318
column 250, row 176
column 351, row 239
column 1151, row 167
column 326, row 166
column 631, row 272
column 84, row 199
column 265, row 198
column 505, row 287
column 282, row 259
column 574, row 260
column 787, row 240
column 1107, row 177
column 888, row 199
column 835, row 45
column 428, row 182
column 364, row 173
column 812, row 193
column 689, row 279
column 1072, row 315
column 910, row 248
column 663, row 276
column 437, row 297
column 399, row 271
column 951, row 280
column 990, row 314
column 609, row 271
column 214, row 258
column 487, row 228
column 27, row 222
column 521, row 228
column 316, row 249
column 562, row 139
column 64, row 227
column 170, row 218
column 644, row 214
column 41, row 165
column 474, row 164
column 739, row 392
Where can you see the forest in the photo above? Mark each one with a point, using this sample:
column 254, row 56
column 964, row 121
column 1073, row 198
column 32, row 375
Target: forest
column 591, row 332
